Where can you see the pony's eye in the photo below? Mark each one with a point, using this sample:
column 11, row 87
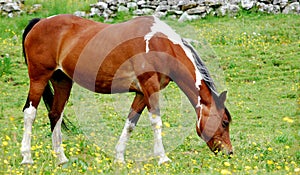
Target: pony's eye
column 225, row 123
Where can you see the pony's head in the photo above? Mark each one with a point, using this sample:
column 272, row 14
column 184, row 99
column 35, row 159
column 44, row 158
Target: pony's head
column 213, row 123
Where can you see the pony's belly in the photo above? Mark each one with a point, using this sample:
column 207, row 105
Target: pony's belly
column 110, row 84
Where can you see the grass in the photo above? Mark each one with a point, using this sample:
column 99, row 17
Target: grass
column 254, row 56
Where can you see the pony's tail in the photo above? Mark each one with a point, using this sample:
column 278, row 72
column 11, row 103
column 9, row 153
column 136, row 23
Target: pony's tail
column 48, row 92
column 25, row 33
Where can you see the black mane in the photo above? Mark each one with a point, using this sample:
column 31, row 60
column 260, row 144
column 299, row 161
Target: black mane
column 202, row 68
column 205, row 74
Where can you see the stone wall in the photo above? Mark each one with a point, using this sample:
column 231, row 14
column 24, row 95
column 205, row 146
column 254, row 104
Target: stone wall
column 11, row 8
column 181, row 9
column 189, row 9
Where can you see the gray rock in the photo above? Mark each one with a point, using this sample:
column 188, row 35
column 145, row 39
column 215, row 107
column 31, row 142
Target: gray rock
column 234, row 8
column 35, row 8
column 10, row 15
column 145, row 11
column 163, row 3
column 247, row 4
column 149, row 6
column 293, row 8
column 95, row 11
column 222, row 10
column 276, row 2
column 230, row 9
column 11, row 7
column 235, row 2
column 100, row 5
column 268, row 8
column 186, row 17
column 283, row 3
column 132, row 5
column 141, row 2
column 138, row 12
column 173, row 2
column 266, row 1
column 113, row 8
column 3, row 1
column 122, row 2
column 122, row 8
column 214, row 3
column 196, row 11
column 80, row 13
column 162, row 8
column 209, row 10
column 160, row 14
column 175, row 12
column 188, row 5
column 276, row 9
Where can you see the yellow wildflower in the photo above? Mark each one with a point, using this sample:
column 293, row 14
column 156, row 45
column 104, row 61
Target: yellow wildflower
column 225, row 171
column 226, row 163
column 247, row 168
column 287, row 168
column 278, row 167
column 287, row 119
column 7, row 137
column 167, row 124
column 4, row 143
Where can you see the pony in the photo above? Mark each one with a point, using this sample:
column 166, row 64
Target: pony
column 139, row 56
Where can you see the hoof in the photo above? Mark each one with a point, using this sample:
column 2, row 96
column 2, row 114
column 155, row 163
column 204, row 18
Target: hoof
column 120, row 161
column 62, row 162
column 63, row 159
column 27, row 161
column 163, row 160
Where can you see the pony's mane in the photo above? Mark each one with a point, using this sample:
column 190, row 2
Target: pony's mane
column 205, row 73
column 202, row 68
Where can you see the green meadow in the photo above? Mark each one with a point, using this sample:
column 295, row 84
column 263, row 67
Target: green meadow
column 254, row 56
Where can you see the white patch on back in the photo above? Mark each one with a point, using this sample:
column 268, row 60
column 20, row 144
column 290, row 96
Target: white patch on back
column 51, row 16
column 161, row 27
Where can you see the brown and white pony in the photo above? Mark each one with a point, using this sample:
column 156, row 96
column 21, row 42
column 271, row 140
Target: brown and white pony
column 141, row 56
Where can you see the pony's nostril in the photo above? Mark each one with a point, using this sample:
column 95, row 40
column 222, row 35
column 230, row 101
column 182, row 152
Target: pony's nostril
column 230, row 152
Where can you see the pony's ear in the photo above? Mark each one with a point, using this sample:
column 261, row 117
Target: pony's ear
column 222, row 97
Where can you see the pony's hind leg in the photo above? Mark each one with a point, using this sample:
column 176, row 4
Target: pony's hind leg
column 33, row 99
column 137, row 108
column 62, row 86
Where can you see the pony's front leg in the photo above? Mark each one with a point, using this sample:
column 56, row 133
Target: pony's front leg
column 57, row 143
column 159, row 150
column 29, row 116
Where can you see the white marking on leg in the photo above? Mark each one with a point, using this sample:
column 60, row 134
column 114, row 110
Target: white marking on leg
column 159, row 150
column 29, row 116
column 161, row 27
column 57, row 141
column 121, row 145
